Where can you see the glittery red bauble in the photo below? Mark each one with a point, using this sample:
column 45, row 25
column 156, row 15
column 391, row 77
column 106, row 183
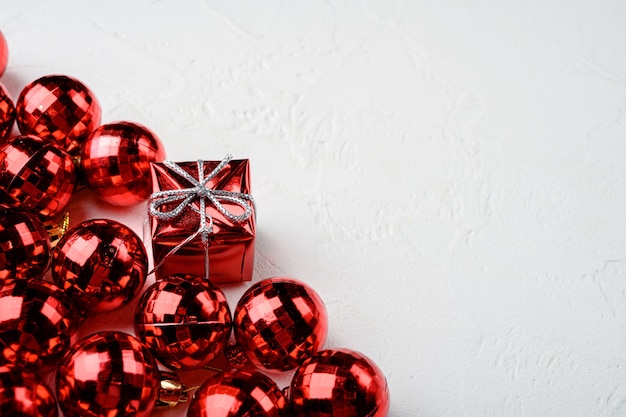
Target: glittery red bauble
column 37, row 323
column 22, row 393
column 242, row 393
column 36, row 175
column 339, row 383
column 7, row 113
column 24, row 245
column 101, row 264
column 60, row 108
column 107, row 374
column 4, row 54
column 116, row 162
column 279, row 322
column 184, row 320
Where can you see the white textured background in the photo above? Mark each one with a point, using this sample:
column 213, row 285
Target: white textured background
column 450, row 176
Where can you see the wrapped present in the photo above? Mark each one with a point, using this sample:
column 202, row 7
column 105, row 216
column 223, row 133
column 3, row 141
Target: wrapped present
column 203, row 219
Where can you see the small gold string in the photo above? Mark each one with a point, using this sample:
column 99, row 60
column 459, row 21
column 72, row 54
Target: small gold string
column 194, row 387
column 214, row 369
column 208, row 368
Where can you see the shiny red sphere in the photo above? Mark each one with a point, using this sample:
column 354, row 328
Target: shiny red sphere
column 107, row 374
column 24, row 245
column 36, row 175
column 59, row 108
column 116, row 162
column 7, row 113
column 4, row 54
column 184, row 320
column 38, row 323
column 243, row 393
column 339, row 383
column 101, row 264
column 280, row 322
column 22, row 393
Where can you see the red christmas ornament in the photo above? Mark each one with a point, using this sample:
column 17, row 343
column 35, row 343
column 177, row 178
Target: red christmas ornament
column 238, row 394
column 36, row 175
column 116, row 162
column 7, row 112
column 101, row 264
column 24, row 245
column 22, row 393
column 37, row 323
column 107, row 374
column 280, row 322
column 4, row 54
column 339, row 383
column 184, row 320
column 60, row 108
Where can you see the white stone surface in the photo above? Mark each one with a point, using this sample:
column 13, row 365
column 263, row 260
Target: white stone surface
column 448, row 175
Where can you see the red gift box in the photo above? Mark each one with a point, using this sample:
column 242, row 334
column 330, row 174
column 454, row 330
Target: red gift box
column 203, row 219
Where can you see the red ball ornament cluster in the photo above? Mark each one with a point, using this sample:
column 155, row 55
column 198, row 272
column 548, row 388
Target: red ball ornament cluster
column 107, row 373
column 115, row 160
column 238, row 393
column 100, row 263
column 37, row 175
column 7, row 111
column 4, row 54
column 61, row 140
column 183, row 322
column 38, row 323
column 23, row 393
column 337, row 383
column 58, row 108
column 24, row 245
column 280, row 322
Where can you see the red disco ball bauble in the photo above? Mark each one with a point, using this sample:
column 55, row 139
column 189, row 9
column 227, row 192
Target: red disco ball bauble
column 339, row 383
column 7, row 113
column 4, row 54
column 116, row 159
column 243, row 393
column 36, row 175
column 107, row 374
column 184, row 320
column 22, row 393
column 24, row 245
column 280, row 322
column 101, row 264
column 59, row 108
column 38, row 323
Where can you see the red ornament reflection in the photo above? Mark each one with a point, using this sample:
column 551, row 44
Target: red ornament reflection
column 38, row 323
column 37, row 175
column 22, row 393
column 107, row 374
column 116, row 162
column 4, row 54
column 7, row 112
column 280, row 322
column 59, row 108
column 184, row 320
column 101, row 264
column 24, row 245
column 238, row 394
column 339, row 383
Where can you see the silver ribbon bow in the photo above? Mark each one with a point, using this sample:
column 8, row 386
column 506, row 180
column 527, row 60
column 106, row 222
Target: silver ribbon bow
column 200, row 192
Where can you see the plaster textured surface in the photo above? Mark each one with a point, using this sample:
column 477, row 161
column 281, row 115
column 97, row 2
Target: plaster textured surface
column 449, row 176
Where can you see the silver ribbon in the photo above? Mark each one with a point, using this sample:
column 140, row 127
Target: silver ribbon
column 200, row 192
